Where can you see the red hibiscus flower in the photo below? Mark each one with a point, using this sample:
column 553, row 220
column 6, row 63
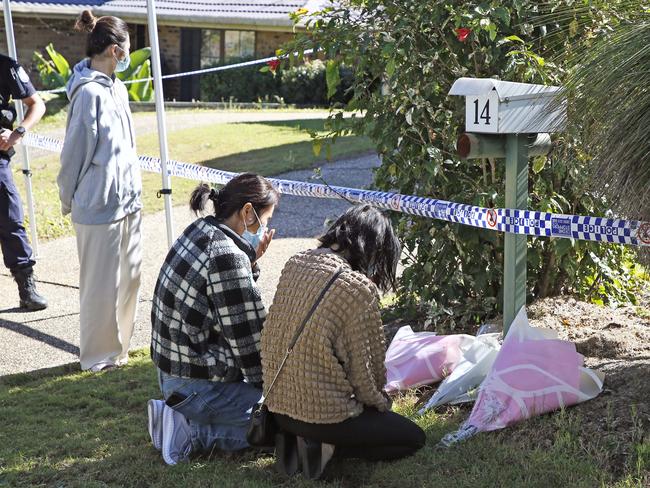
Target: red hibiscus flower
column 273, row 65
column 462, row 33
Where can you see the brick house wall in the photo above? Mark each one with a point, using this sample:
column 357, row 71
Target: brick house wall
column 267, row 42
column 35, row 33
column 169, row 39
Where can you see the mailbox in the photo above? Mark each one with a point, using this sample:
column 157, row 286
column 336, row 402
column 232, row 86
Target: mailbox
column 504, row 107
column 512, row 121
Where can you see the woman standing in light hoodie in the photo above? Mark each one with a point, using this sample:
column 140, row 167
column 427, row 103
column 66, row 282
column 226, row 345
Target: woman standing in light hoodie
column 99, row 183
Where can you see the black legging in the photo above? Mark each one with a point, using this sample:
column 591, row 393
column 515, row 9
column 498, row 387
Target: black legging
column 373, row 435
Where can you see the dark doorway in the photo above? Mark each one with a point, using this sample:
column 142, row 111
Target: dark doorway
column 140, row 36
column 190, row 61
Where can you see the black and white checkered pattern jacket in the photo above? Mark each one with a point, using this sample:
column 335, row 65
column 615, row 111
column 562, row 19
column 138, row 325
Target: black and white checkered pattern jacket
column 207, row 311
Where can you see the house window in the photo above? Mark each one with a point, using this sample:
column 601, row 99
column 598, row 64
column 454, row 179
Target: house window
column 239, row 44
column 211, row 41
column 221, row 45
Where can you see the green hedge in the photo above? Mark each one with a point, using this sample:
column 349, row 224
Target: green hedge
column 453, row 274
column 302, row 85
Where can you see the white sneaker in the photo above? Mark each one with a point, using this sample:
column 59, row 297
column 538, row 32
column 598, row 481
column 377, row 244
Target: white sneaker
column 102, row 366
column 176, row 437
column 155, row 410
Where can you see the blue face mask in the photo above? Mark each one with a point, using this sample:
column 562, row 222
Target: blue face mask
column 254, row 239
column 124, row 63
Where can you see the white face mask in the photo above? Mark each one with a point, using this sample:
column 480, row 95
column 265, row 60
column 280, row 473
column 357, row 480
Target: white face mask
column 254, row 239
column 124, row 63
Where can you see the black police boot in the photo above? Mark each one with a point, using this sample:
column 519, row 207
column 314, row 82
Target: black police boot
column 29, row 297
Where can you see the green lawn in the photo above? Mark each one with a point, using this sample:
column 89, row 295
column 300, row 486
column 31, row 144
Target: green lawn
column 269, row 148
column 64, row 428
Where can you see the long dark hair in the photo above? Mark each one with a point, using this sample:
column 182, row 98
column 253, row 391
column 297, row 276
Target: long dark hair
column 365, row 236
column 102, row 32
column 244, row 188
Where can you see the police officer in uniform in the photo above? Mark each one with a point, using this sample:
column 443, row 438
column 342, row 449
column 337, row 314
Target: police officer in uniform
column 16, row 251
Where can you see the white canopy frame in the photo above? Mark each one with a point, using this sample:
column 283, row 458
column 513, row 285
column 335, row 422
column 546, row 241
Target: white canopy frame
column 166, row 190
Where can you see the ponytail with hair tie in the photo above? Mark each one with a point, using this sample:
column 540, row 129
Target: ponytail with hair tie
column 242, row 189
column 102, row 32
column 86, row 22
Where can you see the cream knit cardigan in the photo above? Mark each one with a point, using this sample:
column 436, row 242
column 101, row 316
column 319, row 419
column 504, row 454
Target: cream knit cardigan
column 337, row 366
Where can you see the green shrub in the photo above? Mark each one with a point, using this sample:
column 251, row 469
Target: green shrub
column 405, row 55
column 304, row 84
column 240, row 84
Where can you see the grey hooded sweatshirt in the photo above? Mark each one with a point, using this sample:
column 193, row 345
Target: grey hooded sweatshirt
column 99, row 180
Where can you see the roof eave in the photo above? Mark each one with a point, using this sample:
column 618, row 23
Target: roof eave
column 52, row 11
column 196, row 21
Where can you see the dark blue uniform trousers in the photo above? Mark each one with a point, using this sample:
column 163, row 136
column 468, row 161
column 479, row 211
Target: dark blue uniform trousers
column 16, row 251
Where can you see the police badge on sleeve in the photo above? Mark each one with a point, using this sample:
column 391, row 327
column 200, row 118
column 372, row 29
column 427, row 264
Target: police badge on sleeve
column 22, row 75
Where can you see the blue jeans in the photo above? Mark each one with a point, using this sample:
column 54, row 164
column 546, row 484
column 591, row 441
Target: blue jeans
column 218, row 413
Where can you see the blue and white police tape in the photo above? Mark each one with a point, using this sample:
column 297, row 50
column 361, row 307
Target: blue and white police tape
column 514, row 221
column 203, row 71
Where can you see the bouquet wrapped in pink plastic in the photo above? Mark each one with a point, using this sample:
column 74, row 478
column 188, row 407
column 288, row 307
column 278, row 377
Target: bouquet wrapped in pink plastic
column 422, row 358
column 534, row 373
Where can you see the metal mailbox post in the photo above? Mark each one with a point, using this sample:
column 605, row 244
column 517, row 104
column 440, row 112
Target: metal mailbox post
column 512, row 121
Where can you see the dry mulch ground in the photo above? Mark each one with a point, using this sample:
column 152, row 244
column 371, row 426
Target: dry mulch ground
column 616, row 342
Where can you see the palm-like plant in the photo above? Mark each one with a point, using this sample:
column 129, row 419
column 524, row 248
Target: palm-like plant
column 55, row 71
column 610, row 88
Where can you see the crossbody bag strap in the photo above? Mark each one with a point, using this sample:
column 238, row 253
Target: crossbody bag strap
column 299, row 330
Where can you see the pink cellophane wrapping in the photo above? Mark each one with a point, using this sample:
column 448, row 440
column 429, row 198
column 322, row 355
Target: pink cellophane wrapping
column 422, row 358
column 534, row 373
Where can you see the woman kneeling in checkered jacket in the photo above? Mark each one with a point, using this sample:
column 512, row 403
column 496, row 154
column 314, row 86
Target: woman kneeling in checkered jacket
column 207, row 316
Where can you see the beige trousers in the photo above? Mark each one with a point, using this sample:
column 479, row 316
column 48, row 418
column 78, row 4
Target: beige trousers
column 110, row 257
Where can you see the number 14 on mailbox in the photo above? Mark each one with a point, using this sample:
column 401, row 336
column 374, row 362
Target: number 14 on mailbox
column 512, row 121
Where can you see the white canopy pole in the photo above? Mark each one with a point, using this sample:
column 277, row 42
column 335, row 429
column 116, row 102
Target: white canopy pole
column 160, row 113
column 11, row 44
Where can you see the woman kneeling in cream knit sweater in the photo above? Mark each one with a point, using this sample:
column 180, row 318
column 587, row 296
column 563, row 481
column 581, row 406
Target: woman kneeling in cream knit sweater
column 330, row 392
